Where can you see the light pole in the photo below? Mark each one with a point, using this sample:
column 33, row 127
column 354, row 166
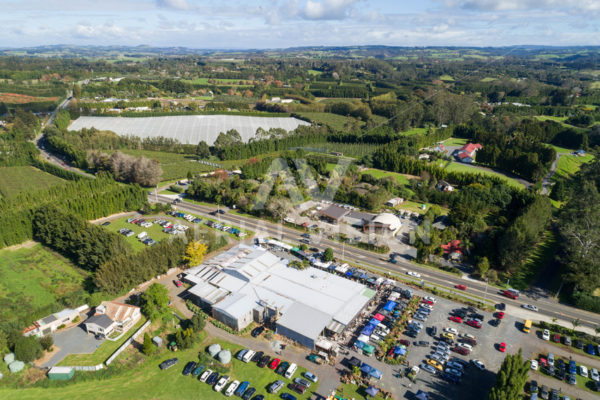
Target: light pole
column 507, row 282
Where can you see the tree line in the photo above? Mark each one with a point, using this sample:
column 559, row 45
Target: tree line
column 87, row 198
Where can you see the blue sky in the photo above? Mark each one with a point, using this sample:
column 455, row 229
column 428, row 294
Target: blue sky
column 288, row 23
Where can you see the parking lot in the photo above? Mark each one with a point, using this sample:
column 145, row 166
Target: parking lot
column 475, row 383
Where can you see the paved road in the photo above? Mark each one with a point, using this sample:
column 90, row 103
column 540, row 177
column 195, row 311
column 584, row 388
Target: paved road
column 548, row 306
column 546, row 183
column 40, row 143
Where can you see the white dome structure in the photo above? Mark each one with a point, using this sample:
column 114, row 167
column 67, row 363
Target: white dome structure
column 385, row 221
column 224, row 356
column 214, row 349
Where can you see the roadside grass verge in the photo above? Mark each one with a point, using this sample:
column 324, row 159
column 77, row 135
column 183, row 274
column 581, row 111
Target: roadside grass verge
column 15, row 180
column 459, row 167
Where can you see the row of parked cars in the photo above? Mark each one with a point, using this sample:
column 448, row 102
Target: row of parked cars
column 223, row 383
column 589, row 348
column 421, row 315
column 565, row 370
column 449, row 368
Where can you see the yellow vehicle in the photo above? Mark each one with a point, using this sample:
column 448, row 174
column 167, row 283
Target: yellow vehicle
column 448, row 335
column 527, row 326
column 435, row 364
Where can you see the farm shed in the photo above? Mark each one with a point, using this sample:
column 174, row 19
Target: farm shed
column 61, row 373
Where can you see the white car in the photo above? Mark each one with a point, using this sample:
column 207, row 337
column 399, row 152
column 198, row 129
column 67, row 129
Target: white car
column 431, row 299
column 530, row 307
column 583, row 371
column 415, row 274
column 546, row 334
column 451, row 330
column 232, row 387
column 427, row 306
column 534, row 364
column 221, row 383
column 415, row 323
column 478, row 364
column 465, row 346
column 594, row 375
column 205, row 375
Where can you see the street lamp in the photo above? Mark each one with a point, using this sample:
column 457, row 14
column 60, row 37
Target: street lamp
column 486, row 286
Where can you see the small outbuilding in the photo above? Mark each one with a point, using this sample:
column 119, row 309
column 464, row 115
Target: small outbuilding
column 61, row 373
column 157, row 340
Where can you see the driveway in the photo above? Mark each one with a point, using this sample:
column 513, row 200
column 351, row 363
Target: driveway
column 72, row 341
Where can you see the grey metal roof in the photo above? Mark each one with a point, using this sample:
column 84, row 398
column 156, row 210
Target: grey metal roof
column 188, row 129
column 101, row 320
column 305, row 320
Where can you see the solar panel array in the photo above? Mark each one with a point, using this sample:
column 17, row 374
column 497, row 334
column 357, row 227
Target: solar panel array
column 188, row 129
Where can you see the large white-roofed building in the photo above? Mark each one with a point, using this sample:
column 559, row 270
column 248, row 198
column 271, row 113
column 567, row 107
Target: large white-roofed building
column 188, row 129
column 246, row 284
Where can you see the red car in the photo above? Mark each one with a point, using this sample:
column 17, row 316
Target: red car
column 456, row 319
column 274, row 363
column 178, row 283
column 404, row 342
column 427, row 302
column 502, row 347
column 461, row 287
column 461, row 350
column 474, row 323
column 509, row 294
column 499, row 315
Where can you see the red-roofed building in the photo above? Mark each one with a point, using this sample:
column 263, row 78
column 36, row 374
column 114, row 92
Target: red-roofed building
column 452, row 246
column 466, row 153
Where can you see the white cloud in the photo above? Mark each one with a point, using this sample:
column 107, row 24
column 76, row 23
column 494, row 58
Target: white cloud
column 174, row 4
column 573, row 6
column 108, row 30
column 327, row 9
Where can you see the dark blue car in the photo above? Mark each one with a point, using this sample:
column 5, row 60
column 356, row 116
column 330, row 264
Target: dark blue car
column 590, row 349
column 242, row 388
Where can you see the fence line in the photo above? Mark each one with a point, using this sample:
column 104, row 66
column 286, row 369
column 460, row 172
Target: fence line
column 127, row 343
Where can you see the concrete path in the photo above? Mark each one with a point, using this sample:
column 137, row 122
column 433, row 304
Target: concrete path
column 546, row 183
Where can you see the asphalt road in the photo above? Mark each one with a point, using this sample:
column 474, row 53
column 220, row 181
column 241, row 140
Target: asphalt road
column 547, row 306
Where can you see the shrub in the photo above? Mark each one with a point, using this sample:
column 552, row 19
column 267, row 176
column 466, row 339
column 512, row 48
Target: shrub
column 47, row 342
column 28, row 349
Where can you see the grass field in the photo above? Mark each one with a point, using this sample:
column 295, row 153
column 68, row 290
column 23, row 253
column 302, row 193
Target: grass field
column 569, row 165
column 37, row 277
column 377, row 173
column 334, row 121
column 459, row 167
column 220, row 82
column 349, row 391
column 414, row 131
column 148, row 382
column 455, row 142
column 103, row 352
column 561, row 149
column 595, row 85
column 154, row 232
column 541, row 256
column 446, row 77
column 174, row 165
column 488, row 79
column 354, row 150
column 14, row 180
column 314, row 72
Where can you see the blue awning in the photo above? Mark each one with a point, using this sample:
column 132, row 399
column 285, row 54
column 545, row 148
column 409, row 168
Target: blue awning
column 366, row 368
column 359, row 344
column 375, row 322
column 367, row 330
column 400, row 351
column 349, row 274
column 375, row 373
column 389, row 306
column 372, row 391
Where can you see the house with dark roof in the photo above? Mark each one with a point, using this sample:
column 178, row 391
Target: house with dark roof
column 112, row 316
column 333, row 213
column 99, row 325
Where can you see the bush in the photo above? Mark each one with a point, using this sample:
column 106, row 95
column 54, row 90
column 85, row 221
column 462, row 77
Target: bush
column 28, row 349
column 176, row 189
column 47, row 342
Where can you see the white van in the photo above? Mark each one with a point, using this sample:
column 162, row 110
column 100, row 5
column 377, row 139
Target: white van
column 248, row 356
column 290, row 371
